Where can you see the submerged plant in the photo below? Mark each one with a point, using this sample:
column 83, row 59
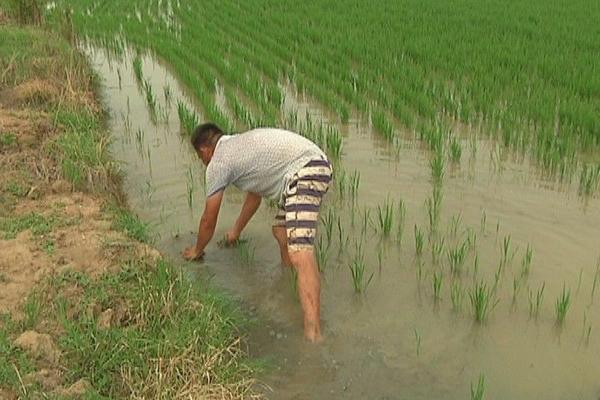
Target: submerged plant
column 562, row 305
column 596, row 278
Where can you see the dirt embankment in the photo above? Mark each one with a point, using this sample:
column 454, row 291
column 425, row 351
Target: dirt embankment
column 87, row 307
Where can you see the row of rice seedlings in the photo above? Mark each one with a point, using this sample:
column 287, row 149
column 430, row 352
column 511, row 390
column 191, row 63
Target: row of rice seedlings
column 385, row 217
column 357, row 270
column 187, row 118
column 437, row 168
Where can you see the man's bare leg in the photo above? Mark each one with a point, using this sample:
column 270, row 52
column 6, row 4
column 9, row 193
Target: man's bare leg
column 309, row 288
column 279, row 233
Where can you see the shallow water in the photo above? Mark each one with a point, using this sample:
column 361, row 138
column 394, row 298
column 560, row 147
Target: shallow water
column 395, row 341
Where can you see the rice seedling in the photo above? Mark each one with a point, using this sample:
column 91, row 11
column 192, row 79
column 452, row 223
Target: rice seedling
column 137, row 69
column 190, row 187
column 596, row 278
column 437, row 168
column 455, row 150
column 418, row 341
column 437, row 248
column 517, row 284
column 483, row 221
column 482, row 301
column 357, row 271
column 455, row 224
column 329, row 224
column 341, row 180
column 385, row 217
column 438, row 279
column 334, row 143
column 322, row 254
column 561, row 306
column 507, row 255
column 535, row 301
column 188, row 119
column 366, row 220
column 434, row 208
column 478, row 392
column 526, row 262
column 471, row 240
column 579, row 281
column 354, row 184
column 401, row 221
column 589, row 180
column 150, row 98
column 246, row 252
column 456, row 258
column 475, row 266
column 419, row 241
column 456, row 295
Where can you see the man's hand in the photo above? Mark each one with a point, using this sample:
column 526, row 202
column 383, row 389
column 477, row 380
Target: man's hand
column 232, row 237
column 191, row 254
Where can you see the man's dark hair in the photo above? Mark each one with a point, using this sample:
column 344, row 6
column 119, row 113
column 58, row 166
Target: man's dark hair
column 207, row 134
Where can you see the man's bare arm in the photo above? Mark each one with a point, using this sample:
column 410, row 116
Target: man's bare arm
column 249, row 208
column 206, row 228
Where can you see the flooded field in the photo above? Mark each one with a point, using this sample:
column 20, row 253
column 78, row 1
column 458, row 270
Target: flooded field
column 480, row 274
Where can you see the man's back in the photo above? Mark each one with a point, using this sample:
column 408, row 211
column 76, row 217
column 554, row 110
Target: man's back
column 261, row 161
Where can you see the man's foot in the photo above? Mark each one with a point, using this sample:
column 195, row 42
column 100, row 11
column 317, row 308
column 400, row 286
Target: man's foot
column 313, row 337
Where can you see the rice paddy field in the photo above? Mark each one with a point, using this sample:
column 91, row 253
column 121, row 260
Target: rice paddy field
column 459, row 245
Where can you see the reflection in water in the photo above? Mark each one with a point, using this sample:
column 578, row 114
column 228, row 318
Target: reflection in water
column 395, row 341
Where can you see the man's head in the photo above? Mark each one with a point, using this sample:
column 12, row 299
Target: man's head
column 204, row 140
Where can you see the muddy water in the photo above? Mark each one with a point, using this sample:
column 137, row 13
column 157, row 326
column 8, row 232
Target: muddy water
column 395, row 341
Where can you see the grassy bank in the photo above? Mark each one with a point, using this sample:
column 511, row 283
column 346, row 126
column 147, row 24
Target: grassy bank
column 88, row 309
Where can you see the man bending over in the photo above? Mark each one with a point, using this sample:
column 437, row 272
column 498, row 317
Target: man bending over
column 276, row 164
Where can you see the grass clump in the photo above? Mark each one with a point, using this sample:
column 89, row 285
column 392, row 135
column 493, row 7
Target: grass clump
column 37, row 223
column 131, row 224
column 168, row 336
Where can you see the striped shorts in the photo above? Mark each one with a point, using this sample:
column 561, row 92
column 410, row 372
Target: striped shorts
column 302, row 201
